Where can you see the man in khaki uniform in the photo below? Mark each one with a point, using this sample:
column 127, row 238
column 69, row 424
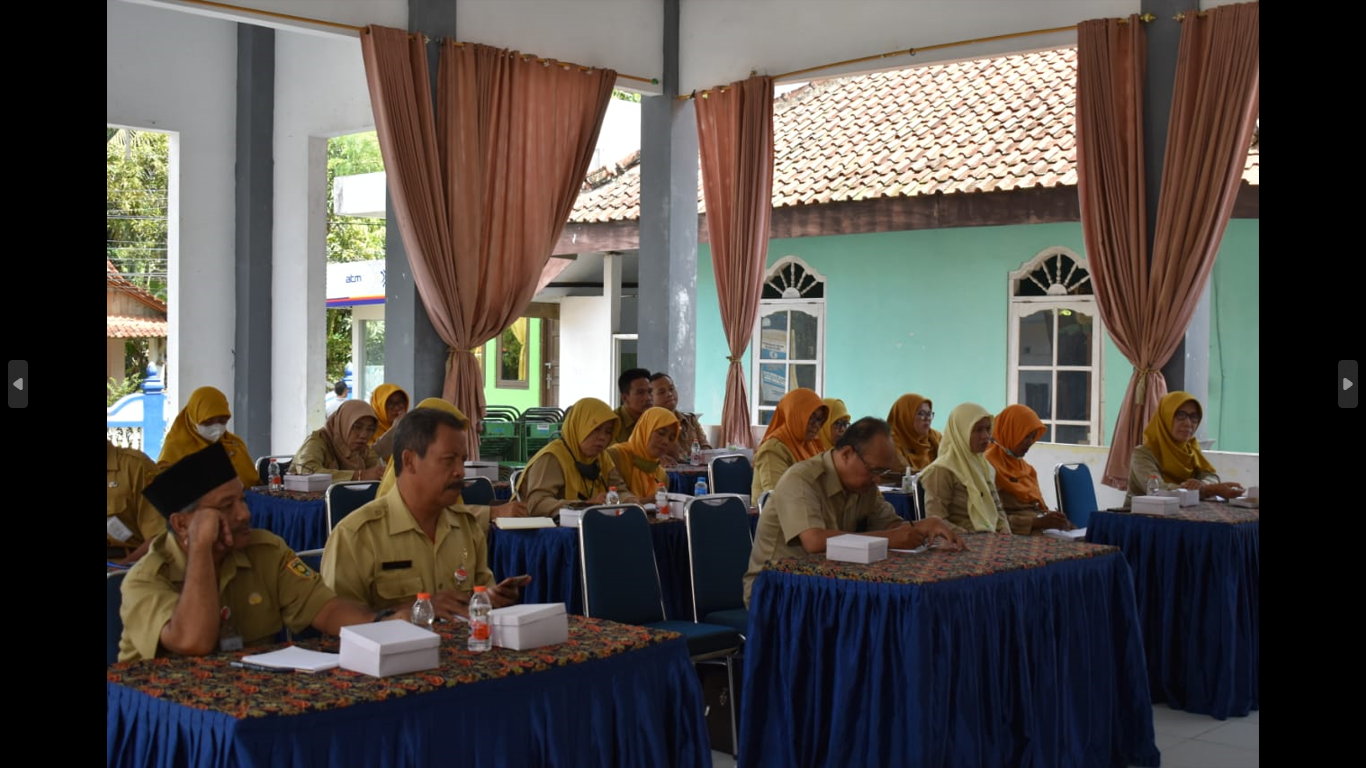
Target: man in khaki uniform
column 212, row 583
column 636, row 399
column 130, row 521
column 836, row 493
column 418, row 537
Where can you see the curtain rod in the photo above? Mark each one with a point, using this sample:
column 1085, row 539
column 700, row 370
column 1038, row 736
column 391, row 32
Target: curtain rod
column 1147, row 17
column 360, row 30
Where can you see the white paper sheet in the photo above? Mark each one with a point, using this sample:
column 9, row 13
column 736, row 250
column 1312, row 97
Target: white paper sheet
column 523, row 523
column 1073, row 535
column 296, row 658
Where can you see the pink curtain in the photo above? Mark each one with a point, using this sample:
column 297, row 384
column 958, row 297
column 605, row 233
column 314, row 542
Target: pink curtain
column 482, row 183
column 735, row 139
column 1148, row 305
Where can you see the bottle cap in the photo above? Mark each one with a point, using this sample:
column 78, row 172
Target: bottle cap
column 481, row 589
column 424, row 596
column 611, row 488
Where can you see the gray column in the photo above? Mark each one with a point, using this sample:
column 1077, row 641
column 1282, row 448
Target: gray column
column 1164, row 40
column 254, row 196
column 667, row 308
column 414, row 355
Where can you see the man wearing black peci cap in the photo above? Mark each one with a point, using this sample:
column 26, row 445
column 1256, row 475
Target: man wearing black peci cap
column 212, row 583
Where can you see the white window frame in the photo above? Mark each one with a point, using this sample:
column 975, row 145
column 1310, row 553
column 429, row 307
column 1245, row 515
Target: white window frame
column 1024, row 306
column 792, row 301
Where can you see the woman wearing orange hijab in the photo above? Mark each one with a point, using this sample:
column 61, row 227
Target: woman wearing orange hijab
column 1017, row 483
column 1171, row 452
column 654, row 437
column 202, row 422
column 792, row 436
column 916, row 443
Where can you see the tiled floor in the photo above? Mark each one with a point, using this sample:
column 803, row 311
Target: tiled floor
column 1186, row 741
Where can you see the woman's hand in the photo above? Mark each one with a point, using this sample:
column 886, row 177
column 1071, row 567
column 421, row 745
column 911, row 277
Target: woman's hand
column 1194, row 484
column 600, row 498
column 1227, row 490
column 1052, row 520
column 373, row 473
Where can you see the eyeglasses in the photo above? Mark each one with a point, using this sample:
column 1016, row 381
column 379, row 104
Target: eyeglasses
column 874, row 471
column 842, row 424
column 365, row 430
column 1193, row 418
column 924, row 414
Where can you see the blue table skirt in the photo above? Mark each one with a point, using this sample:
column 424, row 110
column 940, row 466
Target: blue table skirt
column 901, row 503
column 302, row 524
column 551, row 556
column 1197, row 591
column 684, row 482
column 641, row 708
column 1040, row 667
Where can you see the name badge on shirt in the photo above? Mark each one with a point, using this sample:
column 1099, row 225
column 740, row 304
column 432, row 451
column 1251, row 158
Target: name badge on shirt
column 116, row 529
column 396, row 565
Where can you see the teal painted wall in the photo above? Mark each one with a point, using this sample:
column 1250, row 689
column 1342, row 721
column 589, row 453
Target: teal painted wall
column 521, row 399
column 1233, row 409
column 927, row 311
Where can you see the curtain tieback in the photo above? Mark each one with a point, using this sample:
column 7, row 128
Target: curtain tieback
column 1141, row 388
column 735, row 358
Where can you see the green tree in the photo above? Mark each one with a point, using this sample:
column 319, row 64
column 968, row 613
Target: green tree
column 136, row 184
column 349, row 238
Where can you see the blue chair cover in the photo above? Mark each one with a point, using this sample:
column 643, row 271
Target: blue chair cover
column 719, row 546
column 345, row 498
column 730, row 474
column 478, row 490
column 1076, row 492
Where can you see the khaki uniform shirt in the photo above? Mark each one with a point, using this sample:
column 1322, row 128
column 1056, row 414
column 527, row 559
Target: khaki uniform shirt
column 542, row 484
column 379, row 555
column 626, row 423
column 689, row 429
column 947, row 497
column 810, row 495
column 127, row 473
column 1144, row 464
column 316, row 455
column 770, row 462
column 264, row 585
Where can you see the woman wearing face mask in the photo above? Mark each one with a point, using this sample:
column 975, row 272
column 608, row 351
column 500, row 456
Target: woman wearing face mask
column 575, row 468
column 1017, row 482
column 792, row 436
column 652, row 439
column 342, row 447
column 960, row 485
column 202, row 422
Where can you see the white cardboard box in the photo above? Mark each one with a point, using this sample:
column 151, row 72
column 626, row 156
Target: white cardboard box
column 676, row 503
column 1155, row 505
column 569, row 518
column 487, row 469
column 853, row 548
column 317, row 481
column 1186, row 497
column 523, row 627
column 387, row 648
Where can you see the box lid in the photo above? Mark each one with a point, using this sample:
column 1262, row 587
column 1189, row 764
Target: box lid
column 855, row 541
column 517, row 615
column 385, row 637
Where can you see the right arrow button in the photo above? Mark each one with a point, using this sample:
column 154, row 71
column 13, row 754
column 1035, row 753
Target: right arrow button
column 1347, row 374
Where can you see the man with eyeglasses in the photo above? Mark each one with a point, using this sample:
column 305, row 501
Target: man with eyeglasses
column 836, row 493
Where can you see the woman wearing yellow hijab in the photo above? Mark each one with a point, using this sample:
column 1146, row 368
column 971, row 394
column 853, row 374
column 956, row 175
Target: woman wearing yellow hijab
column 792, row 436
column 342, row 447
column 202, row 422
column 1171, row 451
column 1017, row 482
column 654, row 437
column 576, row 467
column 959, row 485
column 390, row 403
column 916, row 443
column 835, row 423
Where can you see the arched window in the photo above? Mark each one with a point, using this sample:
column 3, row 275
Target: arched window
column 789, row 339
column 1055, row 349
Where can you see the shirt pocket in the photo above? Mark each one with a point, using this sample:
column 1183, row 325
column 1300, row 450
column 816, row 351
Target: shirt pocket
column 397, row 586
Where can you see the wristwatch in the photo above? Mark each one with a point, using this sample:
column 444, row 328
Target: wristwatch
column 383, row 614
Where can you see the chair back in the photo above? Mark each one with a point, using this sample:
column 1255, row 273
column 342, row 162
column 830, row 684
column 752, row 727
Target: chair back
column 512, row 482
column 313, row 558
column 730, row 474
column 1076, row 492
column 113, row 622
column 263, row 466
column 620, row 577
column 345, row 498
column 719, row 544
column 763, row 499
column 917, row 499
column 478, row 490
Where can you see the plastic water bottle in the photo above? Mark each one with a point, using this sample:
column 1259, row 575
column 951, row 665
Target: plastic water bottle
column 695, row 454
column 701, row 488
column 423, row 613
column 908, row 480
column 1154, row 485
column 274, row 480
column 481, row 634
column 612, row 496
column 661, row 501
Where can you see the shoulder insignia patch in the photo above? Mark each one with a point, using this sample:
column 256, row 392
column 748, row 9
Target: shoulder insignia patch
column 300, row 569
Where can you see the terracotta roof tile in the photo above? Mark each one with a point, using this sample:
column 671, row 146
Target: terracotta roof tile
column 986, row 125
column 118, row 282
column 134, row 327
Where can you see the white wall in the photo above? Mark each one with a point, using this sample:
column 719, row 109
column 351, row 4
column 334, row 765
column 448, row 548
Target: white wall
column 174, row 72
column 320, row 92
column 585, row 349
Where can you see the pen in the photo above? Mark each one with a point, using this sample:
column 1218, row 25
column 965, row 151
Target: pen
column 257, row 667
